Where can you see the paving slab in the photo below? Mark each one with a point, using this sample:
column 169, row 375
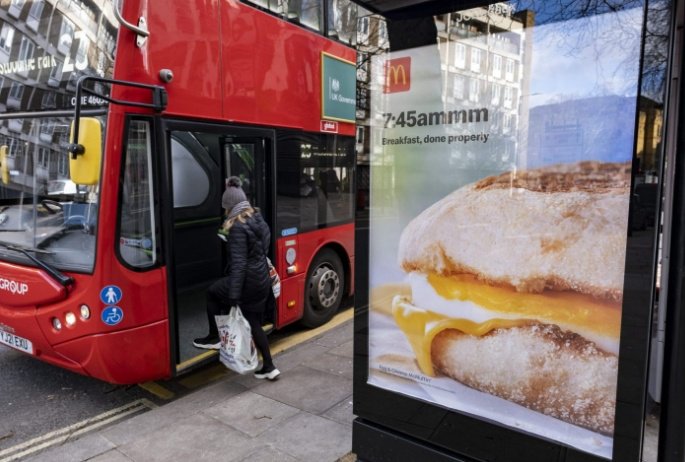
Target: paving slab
column 316, row 439
column 139, row 426
column 268, row 454
column 346, row 350
column 308, row 389
column 194, row 438
column 83, row 448
column 110, row 456
column 337, row 336
column 336, row 365
column 341, row 412
column 251, row 413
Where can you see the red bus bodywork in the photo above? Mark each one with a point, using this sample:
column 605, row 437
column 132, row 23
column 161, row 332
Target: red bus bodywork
column 231, row 63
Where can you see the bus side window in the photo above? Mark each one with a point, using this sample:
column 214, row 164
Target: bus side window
column 315, row 180
column 137, row 236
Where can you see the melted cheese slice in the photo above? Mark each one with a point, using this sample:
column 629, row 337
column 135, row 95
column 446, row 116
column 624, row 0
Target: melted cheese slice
column 465, row 304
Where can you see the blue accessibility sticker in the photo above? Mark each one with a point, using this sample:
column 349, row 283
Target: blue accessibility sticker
column 110, row 295
column 112, row 315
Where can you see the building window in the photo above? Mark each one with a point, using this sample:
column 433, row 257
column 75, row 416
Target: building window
column 16, row 7
column 460, row 55
column 12, row 146
column 55, row 75
column 66, row 36
column 360, row 134
column 508, row 96
column 6, row 36
column 497, row 66
column 506, row 123
column 510, row 70
column 49, row 99
column 458, row 88
column 62, row 164
column 475, row 59
column 43, row 157
column 26, row 48
column 34, row 14
column 46, row 131
column 496, row 93
column 474, row 90
column 16, row 92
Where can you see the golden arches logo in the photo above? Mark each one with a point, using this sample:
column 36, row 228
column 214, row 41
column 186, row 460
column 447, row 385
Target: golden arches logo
column 395, row 72
column 397, row 75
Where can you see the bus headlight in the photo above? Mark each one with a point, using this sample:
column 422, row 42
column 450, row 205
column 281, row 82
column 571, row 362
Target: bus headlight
column 85, row 312
column 70, row 319
column 57, row 324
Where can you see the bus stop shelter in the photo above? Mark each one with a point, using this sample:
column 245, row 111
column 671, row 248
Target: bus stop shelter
column 468, row 108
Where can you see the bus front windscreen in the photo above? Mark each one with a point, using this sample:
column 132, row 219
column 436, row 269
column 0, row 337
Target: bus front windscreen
column 41, row 209
column 45, row 48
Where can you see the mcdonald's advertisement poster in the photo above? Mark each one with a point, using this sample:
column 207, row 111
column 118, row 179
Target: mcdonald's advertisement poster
column 500, row 183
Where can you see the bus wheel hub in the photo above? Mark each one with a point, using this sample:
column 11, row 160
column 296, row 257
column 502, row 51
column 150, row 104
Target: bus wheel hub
column 327, row 286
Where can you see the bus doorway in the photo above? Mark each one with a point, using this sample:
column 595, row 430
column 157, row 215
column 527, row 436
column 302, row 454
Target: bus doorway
column 201, row 160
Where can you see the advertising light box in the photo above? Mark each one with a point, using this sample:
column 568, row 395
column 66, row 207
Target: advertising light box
column 501, row 161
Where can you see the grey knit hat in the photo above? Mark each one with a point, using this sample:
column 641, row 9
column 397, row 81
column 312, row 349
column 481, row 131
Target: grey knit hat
column 234, row 193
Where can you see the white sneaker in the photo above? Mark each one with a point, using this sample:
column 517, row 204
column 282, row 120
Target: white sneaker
column 270, row 374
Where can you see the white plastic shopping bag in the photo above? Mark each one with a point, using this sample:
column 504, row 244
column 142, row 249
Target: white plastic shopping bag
column 238, row 351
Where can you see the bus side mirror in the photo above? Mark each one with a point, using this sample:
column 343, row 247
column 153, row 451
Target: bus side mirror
column 85, row 168
column 4, row 168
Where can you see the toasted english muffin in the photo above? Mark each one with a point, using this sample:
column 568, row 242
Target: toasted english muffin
column 541, row 367
column 559, row 228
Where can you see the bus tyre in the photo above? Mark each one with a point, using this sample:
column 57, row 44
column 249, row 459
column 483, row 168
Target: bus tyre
column 324, row 288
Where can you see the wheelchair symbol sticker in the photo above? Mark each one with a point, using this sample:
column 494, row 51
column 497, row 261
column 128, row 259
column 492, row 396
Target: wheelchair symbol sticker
column 112, row 315
column 110, row 295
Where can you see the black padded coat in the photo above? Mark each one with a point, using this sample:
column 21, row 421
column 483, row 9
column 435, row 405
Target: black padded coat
column 247, row 269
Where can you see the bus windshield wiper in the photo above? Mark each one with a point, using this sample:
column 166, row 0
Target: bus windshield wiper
column 53, row 272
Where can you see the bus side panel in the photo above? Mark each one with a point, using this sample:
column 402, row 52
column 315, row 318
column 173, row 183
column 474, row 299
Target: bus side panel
column 307, row 245
column 292, row 293
column 124, row 357
column 272, row 70
column 184, row 37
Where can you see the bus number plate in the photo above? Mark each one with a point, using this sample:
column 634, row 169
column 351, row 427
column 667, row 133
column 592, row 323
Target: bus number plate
column 15, row 341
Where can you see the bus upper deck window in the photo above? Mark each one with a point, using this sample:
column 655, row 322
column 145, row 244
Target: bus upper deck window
column 137, row 233
column 342, row 20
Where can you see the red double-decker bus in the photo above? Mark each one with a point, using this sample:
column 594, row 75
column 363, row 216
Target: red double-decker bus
column 108, row 226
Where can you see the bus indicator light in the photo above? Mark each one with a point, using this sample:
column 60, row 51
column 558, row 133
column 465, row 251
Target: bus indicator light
column 70, row 319
column 57, row 324
column 85, row 312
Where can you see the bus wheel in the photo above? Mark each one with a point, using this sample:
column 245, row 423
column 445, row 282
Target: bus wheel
column 324, row 288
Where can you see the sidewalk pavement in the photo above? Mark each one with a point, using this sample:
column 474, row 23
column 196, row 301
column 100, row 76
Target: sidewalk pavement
column 305, row 415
